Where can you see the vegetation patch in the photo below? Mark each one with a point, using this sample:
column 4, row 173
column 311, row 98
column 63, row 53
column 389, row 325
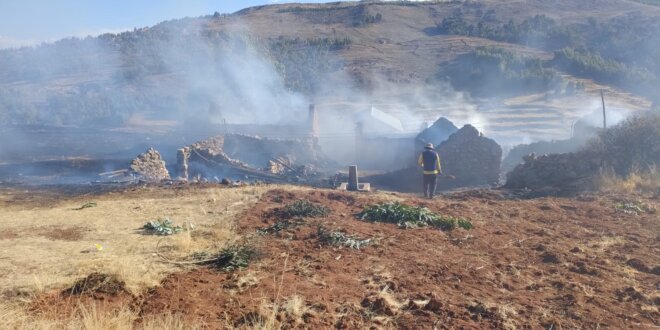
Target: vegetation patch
column 234, row 257
column 406, row 216
column 632, row 208
column 97, row 283
column 304, row 208
column 501, row 72
column 338, row 238
column 280, row 225
column 161, row 227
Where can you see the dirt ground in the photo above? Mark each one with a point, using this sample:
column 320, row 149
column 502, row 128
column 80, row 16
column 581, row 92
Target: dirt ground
column 550, row 263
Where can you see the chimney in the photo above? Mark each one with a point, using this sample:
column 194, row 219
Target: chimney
column 313, row 121
column 313, row 125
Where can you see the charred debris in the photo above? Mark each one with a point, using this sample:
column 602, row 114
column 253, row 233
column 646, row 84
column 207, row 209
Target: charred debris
column 389, row 161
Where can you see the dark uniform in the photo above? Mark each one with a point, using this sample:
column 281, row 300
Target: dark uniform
column 429, row 160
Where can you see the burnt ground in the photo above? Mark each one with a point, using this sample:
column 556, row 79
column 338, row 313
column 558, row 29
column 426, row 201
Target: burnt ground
column 539, row 263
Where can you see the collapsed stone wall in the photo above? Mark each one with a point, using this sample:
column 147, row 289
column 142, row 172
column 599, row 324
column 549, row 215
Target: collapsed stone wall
column 274, row 156
column 471, row 158
column 555, row 173
column 149, row 166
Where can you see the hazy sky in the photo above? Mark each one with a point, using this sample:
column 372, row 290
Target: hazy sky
column 25, row 22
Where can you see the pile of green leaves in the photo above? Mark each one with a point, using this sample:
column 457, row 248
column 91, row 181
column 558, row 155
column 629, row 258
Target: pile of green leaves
column 337, row 238
column 162, row 227
column 234, row 257
column 304, row 208
column 406, row 216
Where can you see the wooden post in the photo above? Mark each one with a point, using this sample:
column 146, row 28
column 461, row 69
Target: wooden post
column 602, row 98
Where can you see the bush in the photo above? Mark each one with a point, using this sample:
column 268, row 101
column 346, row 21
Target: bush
column 406, row 216
column 630, row 147
column 304, row 208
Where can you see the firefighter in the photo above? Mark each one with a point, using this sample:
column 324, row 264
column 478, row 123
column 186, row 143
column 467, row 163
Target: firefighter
column 429, row 160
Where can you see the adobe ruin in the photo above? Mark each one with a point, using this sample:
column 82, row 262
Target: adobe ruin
column 149, row 166
column 473, row 159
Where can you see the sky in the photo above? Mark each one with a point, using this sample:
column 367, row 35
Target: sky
column 30, row 22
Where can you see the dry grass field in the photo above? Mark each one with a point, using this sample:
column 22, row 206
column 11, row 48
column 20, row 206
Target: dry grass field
column 49, row 246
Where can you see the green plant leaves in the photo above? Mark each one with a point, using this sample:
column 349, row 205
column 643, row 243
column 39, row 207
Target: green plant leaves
column 407, row 217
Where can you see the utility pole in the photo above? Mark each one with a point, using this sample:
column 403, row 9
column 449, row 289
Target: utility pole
column 602, row 98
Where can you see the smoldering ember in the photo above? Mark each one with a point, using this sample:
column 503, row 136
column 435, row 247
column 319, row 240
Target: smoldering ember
column 330, row 165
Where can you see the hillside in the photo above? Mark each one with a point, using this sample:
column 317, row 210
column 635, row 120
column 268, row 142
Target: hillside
column 264, row 64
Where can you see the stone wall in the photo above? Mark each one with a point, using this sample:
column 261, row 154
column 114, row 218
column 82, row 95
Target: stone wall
column 555, row 173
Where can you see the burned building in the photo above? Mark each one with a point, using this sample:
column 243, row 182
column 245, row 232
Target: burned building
column 467, row 156
column 237, row 155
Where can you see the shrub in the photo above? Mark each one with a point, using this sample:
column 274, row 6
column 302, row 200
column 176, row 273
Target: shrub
column 631, row 147
column 406, row 216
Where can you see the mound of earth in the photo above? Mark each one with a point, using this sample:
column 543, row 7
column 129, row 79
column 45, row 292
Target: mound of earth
column 541, row 263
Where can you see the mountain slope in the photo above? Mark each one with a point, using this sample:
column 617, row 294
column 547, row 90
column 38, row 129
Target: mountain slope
column 264, row 64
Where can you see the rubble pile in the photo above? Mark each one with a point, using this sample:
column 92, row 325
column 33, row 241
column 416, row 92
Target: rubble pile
column 223, row 155
column 149, row 166
column 471, row 158
column 208, row 152
column 555, row 173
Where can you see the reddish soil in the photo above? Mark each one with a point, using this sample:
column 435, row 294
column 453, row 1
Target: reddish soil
column 540, row 263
